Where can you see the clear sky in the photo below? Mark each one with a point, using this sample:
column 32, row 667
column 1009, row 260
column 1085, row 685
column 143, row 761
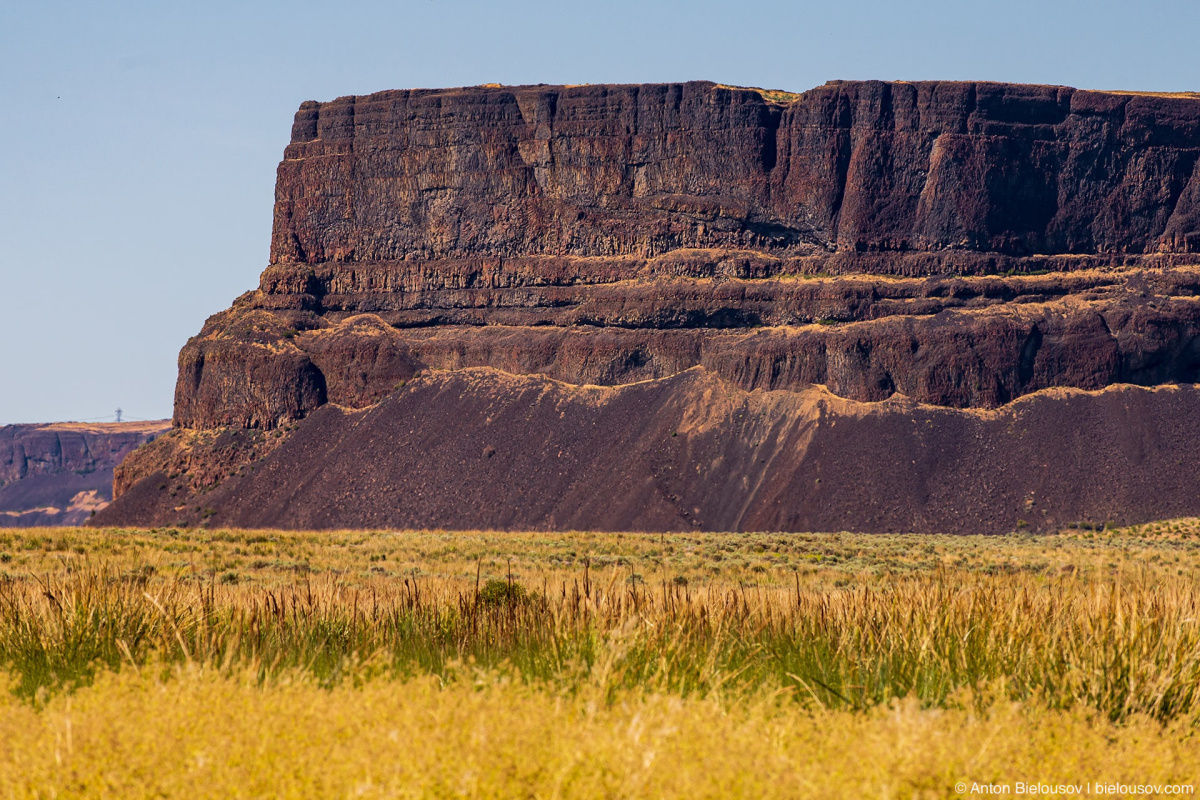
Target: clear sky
column 139, row 140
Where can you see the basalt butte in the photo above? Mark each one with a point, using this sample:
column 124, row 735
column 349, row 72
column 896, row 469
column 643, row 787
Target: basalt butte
column 933, row 306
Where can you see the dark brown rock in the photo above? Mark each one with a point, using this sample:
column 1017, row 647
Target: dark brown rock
column 605, row 171
column 962, row 342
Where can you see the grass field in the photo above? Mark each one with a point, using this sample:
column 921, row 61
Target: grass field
column 198, row 663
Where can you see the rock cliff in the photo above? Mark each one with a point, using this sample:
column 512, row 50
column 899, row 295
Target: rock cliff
column 60, row 474
column 960, row 245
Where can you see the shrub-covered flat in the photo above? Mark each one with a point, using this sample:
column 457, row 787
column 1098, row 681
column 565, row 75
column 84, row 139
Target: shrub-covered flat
column 192, row 662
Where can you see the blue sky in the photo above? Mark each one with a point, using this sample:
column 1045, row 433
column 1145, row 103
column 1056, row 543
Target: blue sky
column 139, row 142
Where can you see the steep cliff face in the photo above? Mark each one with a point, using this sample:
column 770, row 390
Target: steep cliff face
column 959, row 244
column 608, row 171
column 60, row 474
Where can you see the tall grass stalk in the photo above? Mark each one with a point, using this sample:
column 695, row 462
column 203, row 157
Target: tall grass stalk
column 1120, row 647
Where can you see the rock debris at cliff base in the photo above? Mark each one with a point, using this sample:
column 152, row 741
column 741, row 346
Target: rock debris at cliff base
column 483, row 449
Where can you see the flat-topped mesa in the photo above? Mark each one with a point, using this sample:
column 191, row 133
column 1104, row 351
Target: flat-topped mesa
column 609, row 234
column 965, row 245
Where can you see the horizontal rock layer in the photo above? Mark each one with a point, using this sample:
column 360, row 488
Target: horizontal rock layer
column 963, row 342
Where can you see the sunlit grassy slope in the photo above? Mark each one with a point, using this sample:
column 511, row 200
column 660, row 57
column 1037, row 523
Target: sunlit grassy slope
column 231, row 663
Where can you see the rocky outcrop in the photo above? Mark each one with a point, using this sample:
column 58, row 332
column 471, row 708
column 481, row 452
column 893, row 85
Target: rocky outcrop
column 61, row 474
column 961, row 245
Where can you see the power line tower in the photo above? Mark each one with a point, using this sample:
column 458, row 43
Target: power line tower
column 118, row 415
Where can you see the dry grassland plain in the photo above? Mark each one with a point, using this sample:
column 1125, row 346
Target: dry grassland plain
column 213, row 663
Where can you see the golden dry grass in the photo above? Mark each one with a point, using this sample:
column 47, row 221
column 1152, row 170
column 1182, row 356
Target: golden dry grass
column 204, row 734
column 192, row 663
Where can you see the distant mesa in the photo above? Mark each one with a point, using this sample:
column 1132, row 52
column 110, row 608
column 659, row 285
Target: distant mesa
column 61, row 474
column 934, row 300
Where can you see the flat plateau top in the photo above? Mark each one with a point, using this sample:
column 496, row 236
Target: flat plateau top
column 147, row 426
